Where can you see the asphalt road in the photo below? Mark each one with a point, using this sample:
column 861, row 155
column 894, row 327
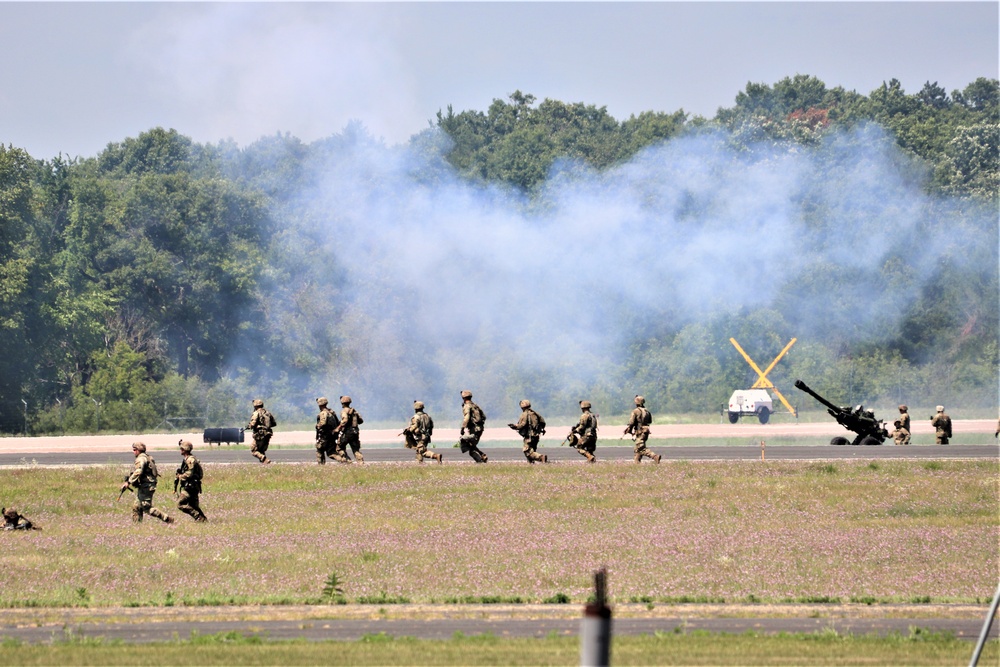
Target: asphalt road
column 229, row 454
column 442, row 622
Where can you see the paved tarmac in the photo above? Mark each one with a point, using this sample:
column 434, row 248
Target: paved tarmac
column 352, row 622
column 230, row 454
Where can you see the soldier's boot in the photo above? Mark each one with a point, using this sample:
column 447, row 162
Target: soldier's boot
column 590, row 457
column 545, row 458
column 657, row 457
column 320, row 458
column 161, row 516
column 359, row 457
column 439, row 457
column 201, row 518
column 638, row 458
column 136, row 516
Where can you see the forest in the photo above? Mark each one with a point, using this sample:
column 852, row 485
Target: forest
column 535, row 249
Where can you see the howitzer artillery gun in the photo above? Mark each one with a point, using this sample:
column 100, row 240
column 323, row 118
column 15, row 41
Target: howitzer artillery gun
column 870, row 431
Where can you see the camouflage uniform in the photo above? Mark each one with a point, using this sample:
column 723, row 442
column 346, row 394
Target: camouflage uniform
column 326, row 435
column 260, row 424
column 189, row 476
column 473, row 422
column 143, row 479
column 418, row 434
column 942, row 426
column 14, row 521
column 638, row 426
column 901, row 432
column 583, row 436
column 530, row 426
column 350, row 433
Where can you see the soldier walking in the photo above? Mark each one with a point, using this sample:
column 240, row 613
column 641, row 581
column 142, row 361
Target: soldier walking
column 638, row 426
column 189, row 476
column 143, row 478
column 473, row 423
column 260, row 425
column 326, row 434
column 530, row 426
column 942, row 426
column 418, row 434
column 583, row 436
column 349, row 429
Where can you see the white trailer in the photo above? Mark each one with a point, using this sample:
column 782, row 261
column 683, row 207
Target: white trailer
column 746, row 402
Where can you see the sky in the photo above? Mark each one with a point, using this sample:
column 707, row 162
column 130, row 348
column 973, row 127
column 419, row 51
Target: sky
column 77, row 76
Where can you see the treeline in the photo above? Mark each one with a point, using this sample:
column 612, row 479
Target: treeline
column 165, row 283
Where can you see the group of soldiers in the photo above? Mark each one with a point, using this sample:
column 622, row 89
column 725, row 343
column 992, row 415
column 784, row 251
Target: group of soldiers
column 940, row 421
column 144, row 477
column 338, row 438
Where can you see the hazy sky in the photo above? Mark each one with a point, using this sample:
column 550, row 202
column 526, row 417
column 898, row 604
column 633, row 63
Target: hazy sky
column 79, row 75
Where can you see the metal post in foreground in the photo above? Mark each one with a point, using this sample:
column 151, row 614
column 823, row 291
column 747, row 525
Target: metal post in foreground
column 595, row 628
column 986, row 629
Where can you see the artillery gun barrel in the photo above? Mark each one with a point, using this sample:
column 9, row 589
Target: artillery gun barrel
column 799, row 384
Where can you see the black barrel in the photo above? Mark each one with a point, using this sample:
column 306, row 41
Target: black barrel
column 223, row 435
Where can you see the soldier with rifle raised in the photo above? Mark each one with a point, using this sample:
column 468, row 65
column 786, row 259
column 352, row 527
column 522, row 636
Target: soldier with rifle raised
column 583, row 436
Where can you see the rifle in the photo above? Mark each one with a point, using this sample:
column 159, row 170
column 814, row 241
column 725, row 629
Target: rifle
column 122, row 493
column 568, row 438
column 177, row 477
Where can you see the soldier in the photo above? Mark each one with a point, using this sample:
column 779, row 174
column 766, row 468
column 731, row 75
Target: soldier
column 997, row 434
column 350, row 433
column 189, row 476
column 326, row 434
column 638, row 426
column 260, row 424
column 904, row 425
column 942, row 426
column 143, row 478
column 530, row 426
column 900, row 436
column 473, row 422
column 14, row 521
column 583, row 436
column 418, row 434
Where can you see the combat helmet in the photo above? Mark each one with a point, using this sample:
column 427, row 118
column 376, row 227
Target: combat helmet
column 418, row 405
column 345, row 400
column 466, row 394
column 138, row 446
column 185, row 446
column 525, row 404
column 584, row 405
column 257, row 403
column 903, row 408
column 321, row 401
column 639, row 400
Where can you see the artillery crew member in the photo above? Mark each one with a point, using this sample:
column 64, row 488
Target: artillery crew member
column 14, row 521
column 189, row 476
column 530, row 426
column 143, row 478
column 638, row 426
column 583, row 436
column 904, row 426
column 418, row 434
column 326, row 434
column 349, row 429
column 473, row 423
column 260, row 425
column 900, row 436
column 942, row 426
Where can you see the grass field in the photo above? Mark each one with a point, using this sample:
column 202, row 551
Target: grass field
column 897, row 531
